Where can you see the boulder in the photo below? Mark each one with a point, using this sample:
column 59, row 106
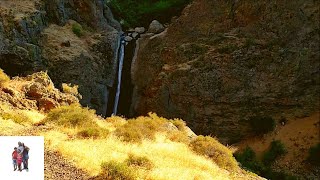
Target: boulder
column 155, row 27
column 140, row 30
column 135, row 35
column 128, row 38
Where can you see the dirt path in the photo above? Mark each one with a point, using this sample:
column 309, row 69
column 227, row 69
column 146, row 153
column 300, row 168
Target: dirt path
column 56, row 167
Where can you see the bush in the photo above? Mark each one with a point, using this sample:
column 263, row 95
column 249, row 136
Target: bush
column 72, row 116
column 140, row 128
column 15, row 116
column 314, row 155
column 73, row 90
column 262, row 125
column 248, row 160
column 116, row 171
column 211, row 148
column 93, row 132
column 142, row 12
column 139, row 161
column 3, row 78
column 77, row 29
column 276, row 150
column 180, row 124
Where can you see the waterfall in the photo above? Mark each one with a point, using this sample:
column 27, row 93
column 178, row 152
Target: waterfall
column 121, row 57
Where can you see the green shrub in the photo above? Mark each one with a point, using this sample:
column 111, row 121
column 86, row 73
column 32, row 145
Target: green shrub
column 217, row 152
column 227, row 49
column 262, row 125
column 314, row 155
column 275, row 175
column 15, row 116
column 77, row 29
column 276, row 150
column 72, row 116
column 3, row 77
column 248, row 160
column 142, row 12
column 140, row 128
column 116, row 171
column 93, row 132
column 134, row 160
column 71, row 89
column 180, row 124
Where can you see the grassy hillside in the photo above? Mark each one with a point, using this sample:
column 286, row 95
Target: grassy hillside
column 149, row 147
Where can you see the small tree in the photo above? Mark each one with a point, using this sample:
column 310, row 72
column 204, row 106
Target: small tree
column 262, row 125
column 314, row 155
column 276, row 150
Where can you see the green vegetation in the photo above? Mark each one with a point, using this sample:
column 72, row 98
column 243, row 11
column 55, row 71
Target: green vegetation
column 227, row 49
column 93, row 132
column 3, row 77
column 262, row 125
column 77, row 29
column 276, row 150
column 142, row 12
column 71, row 89
column 314, row 155
column 210, row 147
column 248, row 160
column 15, row 116
column 180, row 124
column 116, row 171
column 72, row 116
column 134, row 160
column 136, row 130
column 192, row 50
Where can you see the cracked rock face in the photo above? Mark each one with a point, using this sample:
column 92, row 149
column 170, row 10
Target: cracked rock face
column 39, row 35
column 215, row 70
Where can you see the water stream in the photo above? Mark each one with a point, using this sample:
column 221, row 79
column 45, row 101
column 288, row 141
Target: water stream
column 121, row 58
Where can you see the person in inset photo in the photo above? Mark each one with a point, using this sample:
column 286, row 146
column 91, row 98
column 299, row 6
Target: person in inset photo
column 14, row 158
column 25, row 154
column 19, row 161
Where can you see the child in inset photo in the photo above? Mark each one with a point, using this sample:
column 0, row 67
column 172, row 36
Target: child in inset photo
column 14, row 158
column 19, row 161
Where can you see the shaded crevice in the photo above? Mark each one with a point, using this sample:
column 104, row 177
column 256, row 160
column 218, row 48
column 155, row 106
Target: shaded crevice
column 13, row 65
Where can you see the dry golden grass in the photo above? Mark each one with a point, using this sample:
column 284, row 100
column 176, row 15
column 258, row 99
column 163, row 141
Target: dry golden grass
column 170, row 159
column 22, row 117
column 3, row 78
column 214, row 150
column 109, row 157
column 71, row 89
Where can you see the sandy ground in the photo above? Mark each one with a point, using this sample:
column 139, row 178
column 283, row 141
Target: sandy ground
column 298, row 135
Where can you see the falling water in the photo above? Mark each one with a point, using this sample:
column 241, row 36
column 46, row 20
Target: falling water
column 121, row 57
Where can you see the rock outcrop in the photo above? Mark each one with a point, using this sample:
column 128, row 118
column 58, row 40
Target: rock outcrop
column 35, row 92
column 222, row 62
column 41, row 35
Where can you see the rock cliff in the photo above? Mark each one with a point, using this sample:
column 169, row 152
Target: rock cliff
column 41, row 35
column 222, row 62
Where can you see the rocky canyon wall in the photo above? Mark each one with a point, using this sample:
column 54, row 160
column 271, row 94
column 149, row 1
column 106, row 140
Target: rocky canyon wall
column 222, row 62
column 39, row 35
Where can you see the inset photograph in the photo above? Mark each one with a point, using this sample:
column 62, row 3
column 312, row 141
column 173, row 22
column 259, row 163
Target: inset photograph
column 22, row 157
